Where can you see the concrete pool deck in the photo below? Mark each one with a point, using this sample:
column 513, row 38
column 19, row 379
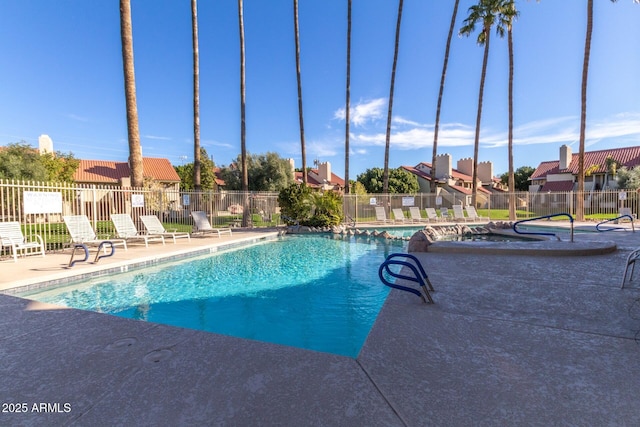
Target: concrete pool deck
column 510, row 340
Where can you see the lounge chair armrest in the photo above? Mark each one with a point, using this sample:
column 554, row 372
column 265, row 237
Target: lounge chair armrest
column 37, row 238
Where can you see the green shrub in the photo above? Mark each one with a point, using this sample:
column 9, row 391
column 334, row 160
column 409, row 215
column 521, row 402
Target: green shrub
column 298, row 204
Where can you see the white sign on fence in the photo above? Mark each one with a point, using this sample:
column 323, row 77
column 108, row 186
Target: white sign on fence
column 408, row 201
column 373, row 201
column 39, row 202
column 622, row 195
column 186, row 201
column 137, row 200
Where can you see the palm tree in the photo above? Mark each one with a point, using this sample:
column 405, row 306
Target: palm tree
column 348, row 101
column 385, row 175
column 243, row 132
column 135, row 149
column 583, row 110
column 486, row 12
column 302, row 145
column 442, row 79
column 196, row 96
column 508, row 16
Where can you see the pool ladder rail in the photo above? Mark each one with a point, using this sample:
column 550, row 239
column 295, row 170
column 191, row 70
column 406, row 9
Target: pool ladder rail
column 540, row 233
column 102, row 247
column 419, row 275
column 616, row 220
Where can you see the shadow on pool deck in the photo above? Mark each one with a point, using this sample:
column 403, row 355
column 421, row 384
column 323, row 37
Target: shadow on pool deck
column 511, row 340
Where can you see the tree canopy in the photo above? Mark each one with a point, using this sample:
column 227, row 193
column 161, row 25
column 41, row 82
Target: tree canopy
column 401, row 181
column 21, row 161
column 628, row 178
column 267, row 172
column 521, row 177
column 207, row 173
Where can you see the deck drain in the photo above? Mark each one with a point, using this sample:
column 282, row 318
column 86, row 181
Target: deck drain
column 122, row 344
column 157, row 355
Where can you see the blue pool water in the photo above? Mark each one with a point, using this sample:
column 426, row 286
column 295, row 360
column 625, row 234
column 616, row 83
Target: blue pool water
column 313, row 292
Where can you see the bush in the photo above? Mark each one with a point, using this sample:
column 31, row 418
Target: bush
column 298, row 204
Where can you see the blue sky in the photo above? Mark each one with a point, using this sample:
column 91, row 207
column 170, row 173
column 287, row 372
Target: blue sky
column 61, row 75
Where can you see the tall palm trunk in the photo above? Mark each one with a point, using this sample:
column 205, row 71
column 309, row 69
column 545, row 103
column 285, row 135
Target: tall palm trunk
column 135, row 149
column 303, row 149
column 243, row 132
column 512, row 181
column 583, row 114
column 348, row 102
column 385, row 175
column 196, row 96
column 434, row 186
column 476, row 143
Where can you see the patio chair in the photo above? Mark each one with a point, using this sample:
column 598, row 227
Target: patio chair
column 473, row 214
column 414, row 213
column 381, row 214
column 126, row 229
column 432, row 215
column 154, row 227
column 633, row 257
column 11, row 236
column 458, row 213
column 398, row 215
column 82, row 233
column 444, row 214
column 202, row 225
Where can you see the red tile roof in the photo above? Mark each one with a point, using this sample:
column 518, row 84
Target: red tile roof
column 417, row 172
column 109, row 172
column 312, row 182
column 627, row 156
column 558, row 186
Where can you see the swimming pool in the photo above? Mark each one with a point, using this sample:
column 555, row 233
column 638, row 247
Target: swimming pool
column 317, row 292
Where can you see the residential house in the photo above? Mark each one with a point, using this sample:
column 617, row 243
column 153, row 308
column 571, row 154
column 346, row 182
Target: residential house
column 599, row 166
column 455, row 184
column 320, row 178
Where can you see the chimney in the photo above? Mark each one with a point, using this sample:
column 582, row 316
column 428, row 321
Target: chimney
column 45, row 144
column 465, row 166
column 324, row 171
column 292, row 163
column 443, row 166
column 485, row 172
column 565, row 157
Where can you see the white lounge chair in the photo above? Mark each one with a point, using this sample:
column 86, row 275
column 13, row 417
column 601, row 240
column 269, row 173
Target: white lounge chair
column 458, row 213
column 82, row 233
column 414, row 213
column 153, row 226
column 11, row 236
column 432, row 215
column 626, row 211
column 126, row 229
column 202, row 225
column 381, row 214
column 398, row 215
column 473, row 214
column 444, row 214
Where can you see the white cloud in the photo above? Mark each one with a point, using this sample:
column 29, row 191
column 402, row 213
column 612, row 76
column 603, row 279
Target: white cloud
column 77, row 117
column 363, row 112
column 157, row 138
column 214, row 143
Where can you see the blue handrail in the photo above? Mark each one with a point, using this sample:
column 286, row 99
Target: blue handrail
column 539, row 233
column 101, row 247
column 616, row 228
column 419, row 275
